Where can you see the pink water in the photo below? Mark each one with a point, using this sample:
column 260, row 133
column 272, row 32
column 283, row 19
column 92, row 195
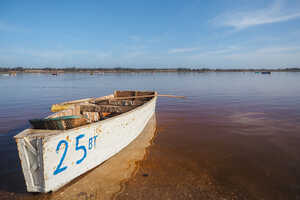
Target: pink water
column 236, row 135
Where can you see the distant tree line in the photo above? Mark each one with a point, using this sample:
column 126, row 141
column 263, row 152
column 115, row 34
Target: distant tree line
column 123, row 69
column 7, row 69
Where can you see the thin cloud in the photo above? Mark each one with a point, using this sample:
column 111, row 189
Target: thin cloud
column 272, row 56
column 216, row 52
column 277, row 56
column 274, row 50
column 182, row 50
column 241, row 20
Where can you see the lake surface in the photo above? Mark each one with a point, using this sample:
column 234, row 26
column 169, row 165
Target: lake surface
column 236, row 135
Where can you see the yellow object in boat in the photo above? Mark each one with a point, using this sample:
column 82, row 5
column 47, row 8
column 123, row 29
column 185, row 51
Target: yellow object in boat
column 105, row 114
column 57, row 107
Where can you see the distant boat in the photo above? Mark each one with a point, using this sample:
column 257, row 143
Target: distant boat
column 81, row 136
column 12, row 73
column 54, row 73
column 265, row 72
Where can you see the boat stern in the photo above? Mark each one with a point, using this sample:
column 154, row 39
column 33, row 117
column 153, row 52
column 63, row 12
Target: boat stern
column 30, row 149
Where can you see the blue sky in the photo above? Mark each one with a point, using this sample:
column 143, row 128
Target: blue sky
column 156, row 33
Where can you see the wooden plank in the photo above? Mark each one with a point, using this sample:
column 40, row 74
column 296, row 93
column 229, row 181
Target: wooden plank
column 142, row 93
column 76, row 110
column 29, row 146
column 125, row 93
column 100, row 102
column 26, row 165
column 104, row 108
column 125, row 102
column 144, row 96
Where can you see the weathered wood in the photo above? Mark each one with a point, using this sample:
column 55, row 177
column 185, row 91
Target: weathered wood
column 69, row 104
column 29, row 146
column 76, row 110
column 124, row 93
column 59, row 123
column 145, row 96
column 125, row 102
column 92, row 116
column 104, row 108
column 96, row 100
column 101, row 102
column 142, row 93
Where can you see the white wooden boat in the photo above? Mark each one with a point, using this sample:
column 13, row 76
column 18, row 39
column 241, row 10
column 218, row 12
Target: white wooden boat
column 52, row 158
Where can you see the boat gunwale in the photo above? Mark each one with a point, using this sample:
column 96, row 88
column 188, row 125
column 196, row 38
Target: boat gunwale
column 40, row 133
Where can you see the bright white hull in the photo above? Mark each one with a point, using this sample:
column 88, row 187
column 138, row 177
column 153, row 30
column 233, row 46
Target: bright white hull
column 50, row 158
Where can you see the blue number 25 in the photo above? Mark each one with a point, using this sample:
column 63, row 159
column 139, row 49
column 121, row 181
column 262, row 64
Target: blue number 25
column 77, row 148
column 59, row 168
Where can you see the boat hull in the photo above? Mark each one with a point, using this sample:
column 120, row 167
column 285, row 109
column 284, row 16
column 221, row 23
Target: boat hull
column 52, row 159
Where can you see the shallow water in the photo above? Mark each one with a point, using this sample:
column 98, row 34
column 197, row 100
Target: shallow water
column 236, row 135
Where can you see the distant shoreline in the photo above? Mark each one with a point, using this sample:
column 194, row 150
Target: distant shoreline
column 135, row 70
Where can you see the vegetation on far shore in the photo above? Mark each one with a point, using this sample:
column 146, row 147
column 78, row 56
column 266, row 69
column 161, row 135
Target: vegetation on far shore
column 121, row 69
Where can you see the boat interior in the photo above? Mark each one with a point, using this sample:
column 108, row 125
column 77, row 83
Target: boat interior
column 81, row 112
